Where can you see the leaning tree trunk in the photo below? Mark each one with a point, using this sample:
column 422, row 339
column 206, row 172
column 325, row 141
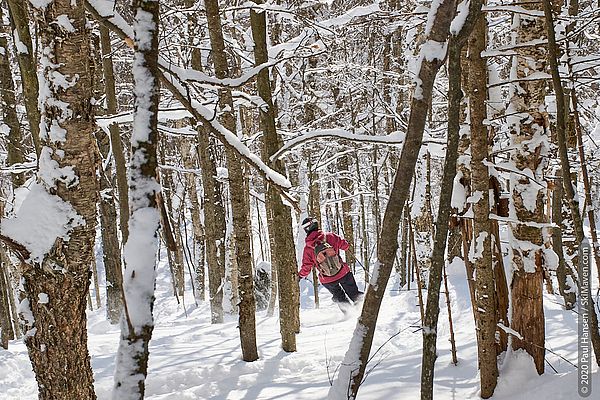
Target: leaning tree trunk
column 56, row 279
column 19, row 19
column 141, row 247
column 570, row 193
column 352, row 371
column 283, row 253
column 530, row 141
column 438, row 259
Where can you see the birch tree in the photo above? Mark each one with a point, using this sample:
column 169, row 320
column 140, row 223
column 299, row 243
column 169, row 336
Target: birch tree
column 531, row 142
column 137, row 321
column 54, row 229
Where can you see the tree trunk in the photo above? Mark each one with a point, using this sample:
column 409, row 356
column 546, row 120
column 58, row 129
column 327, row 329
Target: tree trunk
column 529, row 137
column 570, row 193
column 239, row 206
column 111, row 248
column 481, row 251
column 115, row 133
column 142, row 244
column 282, row 249
column 214, row 212
column 6, row 328
column 438, row 259
column 197, row 227
column 314, row 207
column 15, row 148
column 347, row 192
column 171, row 232
column 214, row 220
column 422, row 219
column 566, row 283
column 19, row 19
column 56, row 283
column 353, row 369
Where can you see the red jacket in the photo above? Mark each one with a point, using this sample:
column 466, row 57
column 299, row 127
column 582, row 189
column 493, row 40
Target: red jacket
column 309, row 260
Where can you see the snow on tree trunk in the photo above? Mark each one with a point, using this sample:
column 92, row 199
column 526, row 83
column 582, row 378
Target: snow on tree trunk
column 56, row 223
column 481, row 254
column 528, row 123
column 239, row 205
column 15, row 145
column 279, row 215
column 140, row 250
column 431, row 58
column 457, row 41
column 19, row 22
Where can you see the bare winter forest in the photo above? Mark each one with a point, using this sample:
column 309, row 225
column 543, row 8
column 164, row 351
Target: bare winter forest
column 320, row 199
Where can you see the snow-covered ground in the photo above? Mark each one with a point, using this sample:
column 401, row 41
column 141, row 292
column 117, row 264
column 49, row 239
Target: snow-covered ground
column 192, row 359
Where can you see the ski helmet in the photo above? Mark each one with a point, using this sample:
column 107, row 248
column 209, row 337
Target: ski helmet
column 310, row 224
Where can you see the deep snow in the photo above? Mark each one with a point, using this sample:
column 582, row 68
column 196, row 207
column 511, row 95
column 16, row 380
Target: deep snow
column 192, row 359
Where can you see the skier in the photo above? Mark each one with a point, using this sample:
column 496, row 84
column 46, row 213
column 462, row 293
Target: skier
column 322, row 251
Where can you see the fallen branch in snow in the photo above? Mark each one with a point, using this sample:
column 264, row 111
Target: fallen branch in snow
column 516, row 334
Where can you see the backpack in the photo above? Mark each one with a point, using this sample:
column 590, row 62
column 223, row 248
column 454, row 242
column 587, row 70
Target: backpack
column 328, row 260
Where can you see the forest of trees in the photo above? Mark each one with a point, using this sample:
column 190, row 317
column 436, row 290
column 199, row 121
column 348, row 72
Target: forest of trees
column 421, row 132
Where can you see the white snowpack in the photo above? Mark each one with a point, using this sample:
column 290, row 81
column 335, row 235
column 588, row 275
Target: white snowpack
column 340, row 389
column 190, row 358
column 222, row 173
column 264, row 266
column 476, row 250
column 551, row 260
column 435, row 4
column 359, row 11
column 106, row 8
column 140, row 257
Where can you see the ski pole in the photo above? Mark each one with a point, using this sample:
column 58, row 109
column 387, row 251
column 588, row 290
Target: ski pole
column 359, row 263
